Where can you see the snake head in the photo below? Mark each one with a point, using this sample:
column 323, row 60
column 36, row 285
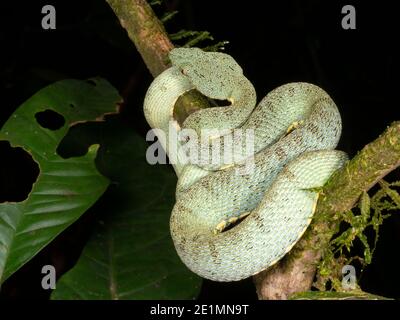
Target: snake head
column 212, row 73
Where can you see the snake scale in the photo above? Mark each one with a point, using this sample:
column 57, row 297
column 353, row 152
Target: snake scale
column 296, row 128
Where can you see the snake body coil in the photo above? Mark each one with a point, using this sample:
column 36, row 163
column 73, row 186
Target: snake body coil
column 296, row 127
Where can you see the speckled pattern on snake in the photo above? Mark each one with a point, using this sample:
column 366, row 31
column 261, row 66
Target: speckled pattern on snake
column 296, row 129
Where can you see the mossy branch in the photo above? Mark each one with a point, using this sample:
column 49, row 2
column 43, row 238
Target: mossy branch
column 295, row 273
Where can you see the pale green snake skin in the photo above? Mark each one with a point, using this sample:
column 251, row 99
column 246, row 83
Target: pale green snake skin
column 290, row 165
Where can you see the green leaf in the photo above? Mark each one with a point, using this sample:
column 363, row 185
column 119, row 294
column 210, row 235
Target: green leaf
column 394, row 195
column 155, row 2
column 168, row 16
column 130, row 254
column 365, row 207
column 182, row 34
column 65, row 188
column 200, row 36
column 334, row 295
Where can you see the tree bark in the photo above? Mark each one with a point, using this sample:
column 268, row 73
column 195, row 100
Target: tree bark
column 146, row 31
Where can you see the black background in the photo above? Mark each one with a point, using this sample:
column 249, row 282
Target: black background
column 274, row 42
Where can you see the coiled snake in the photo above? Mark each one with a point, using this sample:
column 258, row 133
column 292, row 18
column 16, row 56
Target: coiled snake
column 296, row 127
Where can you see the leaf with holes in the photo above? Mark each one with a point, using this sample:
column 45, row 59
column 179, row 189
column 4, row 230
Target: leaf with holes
column 130, row 254
column 65, row 188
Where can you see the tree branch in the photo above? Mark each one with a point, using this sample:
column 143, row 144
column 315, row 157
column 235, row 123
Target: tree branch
column 146, row 32
column 152, row 41
column 295, row 273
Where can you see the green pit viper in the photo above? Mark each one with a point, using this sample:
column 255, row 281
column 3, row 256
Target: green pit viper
column 296, row 129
